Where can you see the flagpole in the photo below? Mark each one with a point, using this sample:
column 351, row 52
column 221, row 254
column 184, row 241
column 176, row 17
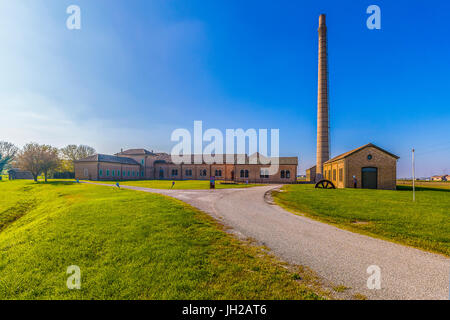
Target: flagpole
column 414, row 177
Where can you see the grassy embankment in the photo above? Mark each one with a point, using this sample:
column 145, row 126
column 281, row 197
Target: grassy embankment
column 128, row 245
column 390, row 215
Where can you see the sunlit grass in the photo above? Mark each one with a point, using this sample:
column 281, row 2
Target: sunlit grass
column 128, row 245
column 387, row 214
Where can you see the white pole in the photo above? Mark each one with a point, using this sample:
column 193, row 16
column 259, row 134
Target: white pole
column 414, row 177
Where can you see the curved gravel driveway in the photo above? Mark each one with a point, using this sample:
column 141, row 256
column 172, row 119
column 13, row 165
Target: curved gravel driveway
column 338, row 256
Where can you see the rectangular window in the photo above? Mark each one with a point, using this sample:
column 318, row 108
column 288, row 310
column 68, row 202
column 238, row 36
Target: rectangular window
column 142, row 161
column 341, row 174
column 107, row 173
column 142, row 173
column 334, row 175
column 133, row 173
column 86, row 172
column 113, row 173
column 100, row 172
column 128, row 172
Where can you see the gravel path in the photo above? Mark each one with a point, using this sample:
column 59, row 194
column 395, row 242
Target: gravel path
column 338, row 256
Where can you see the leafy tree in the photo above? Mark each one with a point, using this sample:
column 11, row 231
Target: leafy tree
column 7, row 153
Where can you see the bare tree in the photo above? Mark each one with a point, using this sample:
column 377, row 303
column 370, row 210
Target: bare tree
column 38, row 159
column 7, row 153
column 49, row 159
column 29, row 159
column 73, row 152
column 84, row 152
column 69, row 152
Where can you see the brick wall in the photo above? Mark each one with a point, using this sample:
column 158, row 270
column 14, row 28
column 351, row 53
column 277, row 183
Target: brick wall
column 386, row 165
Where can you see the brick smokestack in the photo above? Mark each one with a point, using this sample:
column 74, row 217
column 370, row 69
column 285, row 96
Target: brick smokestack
column 323, row 142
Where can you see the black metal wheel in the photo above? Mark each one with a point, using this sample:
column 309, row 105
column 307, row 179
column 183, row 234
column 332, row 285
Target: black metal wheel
column 325, row 184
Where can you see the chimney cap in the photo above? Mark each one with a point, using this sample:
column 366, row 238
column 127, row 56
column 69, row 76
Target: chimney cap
column 322, row 19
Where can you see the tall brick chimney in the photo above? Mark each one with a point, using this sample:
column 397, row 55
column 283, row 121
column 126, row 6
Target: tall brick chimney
column 323, row 142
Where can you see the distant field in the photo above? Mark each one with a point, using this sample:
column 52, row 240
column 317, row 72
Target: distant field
column 386, row 214
column 428, row 184
column 128, row 245
column 184, row 184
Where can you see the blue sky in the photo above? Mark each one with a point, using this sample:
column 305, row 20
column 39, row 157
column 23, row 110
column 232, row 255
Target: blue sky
column 137, row 70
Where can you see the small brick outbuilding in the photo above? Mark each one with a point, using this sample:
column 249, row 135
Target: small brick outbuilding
column 367, row 167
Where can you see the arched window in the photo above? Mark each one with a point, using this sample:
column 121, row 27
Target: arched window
column 242, row 174
column 282, row 174
column 204, row 172
column 246, row 173
column 288, row 174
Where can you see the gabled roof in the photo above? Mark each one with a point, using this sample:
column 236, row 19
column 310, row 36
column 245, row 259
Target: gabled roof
column 135, row 152
column 349, row 153
column 108, row 158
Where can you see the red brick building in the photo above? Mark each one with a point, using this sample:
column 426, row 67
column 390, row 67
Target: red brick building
column 141, row 164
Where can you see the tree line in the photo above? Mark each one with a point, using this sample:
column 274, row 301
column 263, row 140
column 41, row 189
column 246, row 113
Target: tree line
column 42, row 159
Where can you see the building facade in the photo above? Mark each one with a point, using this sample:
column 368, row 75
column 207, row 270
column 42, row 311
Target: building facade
column 367, row 167
column 141, row 164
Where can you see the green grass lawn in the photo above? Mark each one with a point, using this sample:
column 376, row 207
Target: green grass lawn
column 386, row 214
column 129, row 245
column 183, row 184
